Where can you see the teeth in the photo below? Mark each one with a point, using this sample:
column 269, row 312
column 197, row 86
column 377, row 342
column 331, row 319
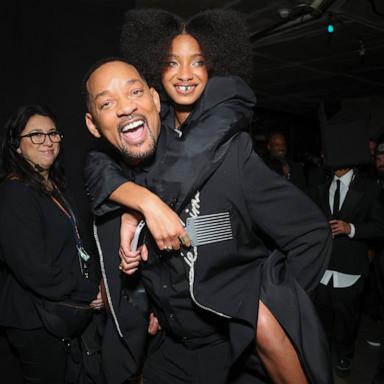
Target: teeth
column 184, row 88
column 132, row 125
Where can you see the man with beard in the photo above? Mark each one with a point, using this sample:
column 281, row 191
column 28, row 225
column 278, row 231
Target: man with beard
column 277, row 151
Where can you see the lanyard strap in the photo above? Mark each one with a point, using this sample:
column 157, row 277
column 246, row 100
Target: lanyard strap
column 66, row 209
column 69, row 213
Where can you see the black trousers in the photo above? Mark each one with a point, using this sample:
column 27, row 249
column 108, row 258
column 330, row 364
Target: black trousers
column 170, row 361
column 339, row 310
column 9, row 364
column 42, row 356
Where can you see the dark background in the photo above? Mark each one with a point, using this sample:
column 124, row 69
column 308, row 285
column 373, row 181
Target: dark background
column 47, row 46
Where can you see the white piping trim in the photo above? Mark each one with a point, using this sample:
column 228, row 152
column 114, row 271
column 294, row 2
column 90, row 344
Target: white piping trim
column 95, row 234
column 191, row 257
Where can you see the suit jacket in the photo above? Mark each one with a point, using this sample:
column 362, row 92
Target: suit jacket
column 363, row 208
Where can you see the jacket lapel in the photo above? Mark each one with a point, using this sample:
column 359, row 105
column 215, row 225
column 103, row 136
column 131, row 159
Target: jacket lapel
column 352, row 199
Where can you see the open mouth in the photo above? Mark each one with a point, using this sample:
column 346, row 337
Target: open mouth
column 185, row 89
column 134, row 131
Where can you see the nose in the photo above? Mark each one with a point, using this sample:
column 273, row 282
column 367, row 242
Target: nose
column 185, row 72
column 126, row 107
column 47, row 141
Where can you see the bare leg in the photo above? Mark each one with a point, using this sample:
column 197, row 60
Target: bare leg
column 276, row 350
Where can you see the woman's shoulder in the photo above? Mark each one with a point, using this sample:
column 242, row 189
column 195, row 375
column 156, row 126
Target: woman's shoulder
column 14, row 189
column 13, row 184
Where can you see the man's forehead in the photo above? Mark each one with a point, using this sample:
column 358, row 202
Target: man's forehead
column 277, row 137
column 112, row 71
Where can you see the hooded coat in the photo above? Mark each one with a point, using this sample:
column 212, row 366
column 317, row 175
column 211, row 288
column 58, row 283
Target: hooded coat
column 278, row 244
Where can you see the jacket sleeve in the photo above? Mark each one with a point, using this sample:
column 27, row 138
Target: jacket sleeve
column 373, row 226
column 23, row 243
column 103, row 174
column 287, row 216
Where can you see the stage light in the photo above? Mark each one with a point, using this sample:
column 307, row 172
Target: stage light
column 330, row 24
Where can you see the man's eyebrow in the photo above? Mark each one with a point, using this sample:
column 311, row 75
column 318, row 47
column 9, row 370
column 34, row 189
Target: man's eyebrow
column 101, row 94
column 128, row 82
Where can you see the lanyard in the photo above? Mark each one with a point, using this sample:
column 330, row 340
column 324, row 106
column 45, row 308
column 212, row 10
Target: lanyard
column 81, row 252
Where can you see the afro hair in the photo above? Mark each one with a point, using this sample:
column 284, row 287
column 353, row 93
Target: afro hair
column 147, row 35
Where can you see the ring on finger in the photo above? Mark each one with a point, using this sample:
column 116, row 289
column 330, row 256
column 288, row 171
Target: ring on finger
column 185, row 240
column 167, row 248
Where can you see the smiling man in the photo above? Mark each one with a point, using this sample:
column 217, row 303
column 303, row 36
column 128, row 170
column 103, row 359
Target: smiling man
column 120, row 101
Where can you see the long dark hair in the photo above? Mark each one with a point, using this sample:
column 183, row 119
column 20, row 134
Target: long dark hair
column 147, row 35
column 13, row 164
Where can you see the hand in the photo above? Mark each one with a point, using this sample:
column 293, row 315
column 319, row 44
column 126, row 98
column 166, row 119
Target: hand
column 130, row 260
column 98, row 303
column 154, row 325
column 339, row 227
column 164, row 224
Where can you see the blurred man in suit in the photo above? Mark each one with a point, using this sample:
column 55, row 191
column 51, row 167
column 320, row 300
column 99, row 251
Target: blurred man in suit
column 356, row 215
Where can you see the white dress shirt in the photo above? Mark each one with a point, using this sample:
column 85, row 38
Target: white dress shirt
column 340, row 280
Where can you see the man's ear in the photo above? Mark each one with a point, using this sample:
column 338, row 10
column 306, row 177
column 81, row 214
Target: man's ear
column 156, row 98
column 91, row 125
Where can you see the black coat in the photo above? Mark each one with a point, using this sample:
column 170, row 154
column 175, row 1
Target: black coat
column 229, row 277
column 363, row 208
column 37, row 246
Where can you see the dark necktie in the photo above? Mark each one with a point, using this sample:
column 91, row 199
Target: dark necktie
column 336, row 200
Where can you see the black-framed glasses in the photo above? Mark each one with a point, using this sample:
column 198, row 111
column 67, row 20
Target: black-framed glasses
column 39, row 137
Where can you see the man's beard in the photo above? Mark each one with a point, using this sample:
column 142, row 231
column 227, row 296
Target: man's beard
column 137, row 157
column 279, row 156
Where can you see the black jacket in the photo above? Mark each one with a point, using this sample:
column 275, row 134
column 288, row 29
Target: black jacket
column 37, row 247
column 229, row 277
column 363, row 208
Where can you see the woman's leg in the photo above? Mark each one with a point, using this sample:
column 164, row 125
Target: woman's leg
column 42, row 356
column 276, row 350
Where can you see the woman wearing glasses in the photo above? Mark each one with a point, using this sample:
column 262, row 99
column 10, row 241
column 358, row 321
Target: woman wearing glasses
column 40, row 245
